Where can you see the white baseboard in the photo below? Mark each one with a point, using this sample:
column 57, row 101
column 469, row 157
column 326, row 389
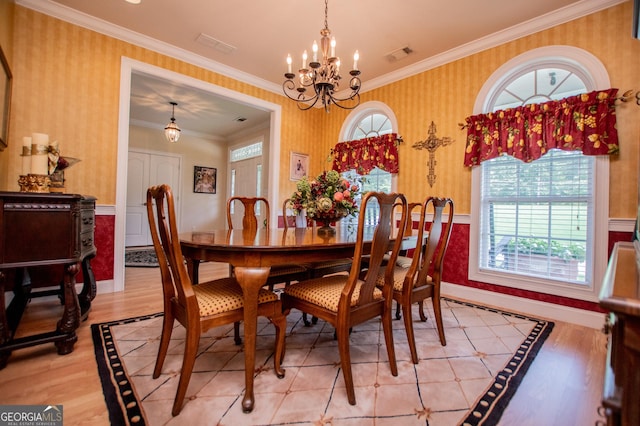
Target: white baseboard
column 105, row 286
column 534, row 308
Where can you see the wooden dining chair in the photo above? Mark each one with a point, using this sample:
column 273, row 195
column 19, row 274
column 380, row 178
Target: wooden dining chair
column 421, row 279
column 314, row 269
column 345, row 301
column 197, row 307
column 402, row 258
column 249, row 217
column 280, row 274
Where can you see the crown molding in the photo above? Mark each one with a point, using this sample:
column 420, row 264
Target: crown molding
column 92, row 23
column 549, row 20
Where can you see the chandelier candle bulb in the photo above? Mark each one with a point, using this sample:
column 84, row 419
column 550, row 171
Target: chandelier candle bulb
column 356, row 56
column 315, row 51
column 304, row 60
column 333, row 47
column 288, row 64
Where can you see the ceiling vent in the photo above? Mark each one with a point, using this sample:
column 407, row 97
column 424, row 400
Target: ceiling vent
column 216, row 44
column 398, row 54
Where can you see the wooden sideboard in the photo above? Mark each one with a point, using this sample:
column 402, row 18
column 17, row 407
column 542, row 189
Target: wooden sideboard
column 39, row 230
column 620, row 296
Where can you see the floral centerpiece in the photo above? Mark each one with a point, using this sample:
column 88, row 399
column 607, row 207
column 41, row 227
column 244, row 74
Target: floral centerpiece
column 326, row 199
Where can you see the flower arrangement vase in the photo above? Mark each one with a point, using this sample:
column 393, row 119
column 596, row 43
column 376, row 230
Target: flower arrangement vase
column 326, row 229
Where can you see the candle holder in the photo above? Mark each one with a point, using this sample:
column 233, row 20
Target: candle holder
column 34, row 183
column 57, row 181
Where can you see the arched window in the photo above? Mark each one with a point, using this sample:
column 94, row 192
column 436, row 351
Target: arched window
column 371, row 119
column 541, row 226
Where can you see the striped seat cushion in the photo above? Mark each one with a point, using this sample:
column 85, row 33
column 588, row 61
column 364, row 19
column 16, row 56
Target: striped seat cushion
column 280, row 270
column 225, row 295
column 325, row 291
column 323, row 264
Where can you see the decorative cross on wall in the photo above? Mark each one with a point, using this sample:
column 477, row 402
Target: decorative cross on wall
column 431, row 144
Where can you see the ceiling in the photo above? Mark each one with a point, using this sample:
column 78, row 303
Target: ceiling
column 250, row 40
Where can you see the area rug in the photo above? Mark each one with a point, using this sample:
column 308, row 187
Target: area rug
column 467, row 382
column 144, row 257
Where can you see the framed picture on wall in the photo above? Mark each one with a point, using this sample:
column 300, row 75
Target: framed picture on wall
column 298, row 166
column 204, row 179
column 5, row 100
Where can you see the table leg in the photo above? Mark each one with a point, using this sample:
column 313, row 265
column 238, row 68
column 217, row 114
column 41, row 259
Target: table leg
column 251, row 280
column 70, row 320
column 88, row 292
column 193, row 267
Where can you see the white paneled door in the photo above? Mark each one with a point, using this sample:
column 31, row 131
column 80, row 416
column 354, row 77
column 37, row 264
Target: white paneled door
column 144, row 170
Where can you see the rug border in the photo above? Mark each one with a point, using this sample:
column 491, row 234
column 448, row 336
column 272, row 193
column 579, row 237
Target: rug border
column 505, row 383
column 120, row 396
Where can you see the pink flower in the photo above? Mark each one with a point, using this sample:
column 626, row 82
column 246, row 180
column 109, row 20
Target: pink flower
column 338, row 196
column 346, row 193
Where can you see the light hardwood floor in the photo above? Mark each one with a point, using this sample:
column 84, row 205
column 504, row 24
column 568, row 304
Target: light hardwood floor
column 563, row 386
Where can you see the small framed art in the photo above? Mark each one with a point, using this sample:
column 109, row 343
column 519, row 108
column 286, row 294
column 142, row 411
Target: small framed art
column 204, row 179
column 298, row 166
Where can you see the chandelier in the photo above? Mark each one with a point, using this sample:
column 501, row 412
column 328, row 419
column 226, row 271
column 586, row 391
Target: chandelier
column 172, row 131
column 322, row 76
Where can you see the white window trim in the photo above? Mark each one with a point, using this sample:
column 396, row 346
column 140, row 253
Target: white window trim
column 596, row 79
column 367, row 108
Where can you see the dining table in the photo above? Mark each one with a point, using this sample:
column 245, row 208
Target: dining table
column 252, row 255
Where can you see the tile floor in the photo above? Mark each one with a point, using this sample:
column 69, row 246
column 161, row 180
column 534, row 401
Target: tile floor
column 441, row 388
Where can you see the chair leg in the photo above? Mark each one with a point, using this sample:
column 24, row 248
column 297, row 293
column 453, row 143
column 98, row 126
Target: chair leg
column 397, row 310
column 437, row 312
column 236, row 333
column 387, row 328
column 345, row 362
column 165, row 337
column 280, row 322
column 423, row 317
column 408, row 327
column 190, row 350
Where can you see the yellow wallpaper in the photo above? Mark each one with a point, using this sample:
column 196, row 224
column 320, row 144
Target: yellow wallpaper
column 446, row 95
column 6, row 42
column 67, row 85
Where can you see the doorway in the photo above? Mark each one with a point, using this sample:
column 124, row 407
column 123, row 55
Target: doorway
column 130, row 66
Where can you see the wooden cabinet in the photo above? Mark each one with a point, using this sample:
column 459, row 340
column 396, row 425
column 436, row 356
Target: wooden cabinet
column 38, row 230
column 620, row 296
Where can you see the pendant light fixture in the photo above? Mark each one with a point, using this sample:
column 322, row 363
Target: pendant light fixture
column 172, row 131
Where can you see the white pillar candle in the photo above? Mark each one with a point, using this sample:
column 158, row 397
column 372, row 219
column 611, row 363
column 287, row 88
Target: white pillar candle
column 26, row 155
column 39, row 157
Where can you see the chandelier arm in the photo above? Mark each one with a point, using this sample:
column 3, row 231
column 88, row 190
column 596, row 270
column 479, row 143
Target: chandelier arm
column 355, row 98
column 301, row 99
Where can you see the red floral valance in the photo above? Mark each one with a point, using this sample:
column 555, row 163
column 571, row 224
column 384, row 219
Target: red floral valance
column 584, row 123
column 365, row 154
